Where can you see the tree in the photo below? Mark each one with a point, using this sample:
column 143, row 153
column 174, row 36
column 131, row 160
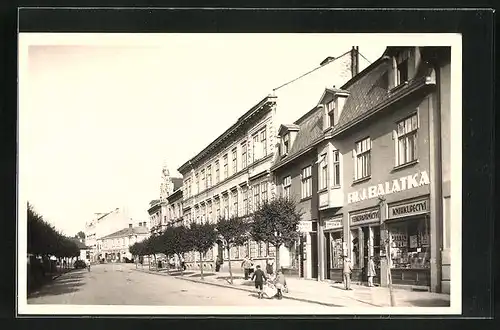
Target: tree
column 233, row 232
column 177, row 241
column 276, row 222
column 202, row 237
column 80, row 235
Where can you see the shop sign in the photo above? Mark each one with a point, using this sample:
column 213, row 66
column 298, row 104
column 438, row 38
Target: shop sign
column 408, row 209
column 333, row 223
column 372, row 215
column 390, row 187
column 305, row 226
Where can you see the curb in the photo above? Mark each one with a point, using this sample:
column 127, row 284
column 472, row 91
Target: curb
column 241, row 289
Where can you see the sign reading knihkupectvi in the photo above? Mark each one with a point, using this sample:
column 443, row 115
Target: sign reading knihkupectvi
column 414, row 207
column 390, row 187
column 364, row 216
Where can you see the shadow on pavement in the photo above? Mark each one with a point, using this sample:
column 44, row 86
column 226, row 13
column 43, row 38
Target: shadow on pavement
column 71, row 282
column 204, row 275
column 430, row 302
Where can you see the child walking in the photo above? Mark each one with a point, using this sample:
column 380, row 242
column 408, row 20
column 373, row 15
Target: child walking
column 259, row 277
column 280, row 283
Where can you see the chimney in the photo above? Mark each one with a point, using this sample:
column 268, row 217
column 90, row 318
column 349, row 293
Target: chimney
column 354, row 60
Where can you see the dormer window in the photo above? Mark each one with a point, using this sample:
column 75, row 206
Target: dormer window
column 330, row 110
column 286, row 144
column 402, row 72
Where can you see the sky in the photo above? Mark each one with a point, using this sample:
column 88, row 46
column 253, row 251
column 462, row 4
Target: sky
column 99, row 118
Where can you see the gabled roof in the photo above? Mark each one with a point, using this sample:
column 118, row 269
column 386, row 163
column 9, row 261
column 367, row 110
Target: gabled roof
column 127, row 232
column 365, row 92
column 331, row 91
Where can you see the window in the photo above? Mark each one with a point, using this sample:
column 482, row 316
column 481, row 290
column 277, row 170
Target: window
column 225, row 168
column 287, row 182
column 402, row 72
column 263, row 191
column 197, row 181
column 336, row 168
column 256, row 196
column 225, row 205
column 286, row 144
column 243, row 155
column 306, row 182
column 406, row 150
column 209, row 206
column 209, row 176
column 217, row 208
column 362, row 168
column 203, row 180
column 330, row 107
column 263, row 141
column 217, row 172
column 235, row 203
column 188, row 188
column 235, row 161
column 323, row 174
column 255, row 147
column 245, row 201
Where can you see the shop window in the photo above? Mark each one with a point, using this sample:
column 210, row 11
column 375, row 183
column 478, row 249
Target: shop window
column 356, row 253
column 410, row 246
column 406, row 142
column 336, row 250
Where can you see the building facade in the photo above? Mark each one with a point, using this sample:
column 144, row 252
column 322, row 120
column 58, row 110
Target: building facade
column 230, row 177
column 384, row 171
column 174, row 210
column 104, row 224
column 115, row 246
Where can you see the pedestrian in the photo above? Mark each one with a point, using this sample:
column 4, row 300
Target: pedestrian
column 280, row 282
column 246, row 265
column 347, row 273
column 269, row 267
column 218, row 263
column 88, row 264
column 371, row 271
column 259, row 277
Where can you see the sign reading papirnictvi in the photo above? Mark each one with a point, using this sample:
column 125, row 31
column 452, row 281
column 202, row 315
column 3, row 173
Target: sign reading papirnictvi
column 371, row 215
column 389, row 187
column 407, row 209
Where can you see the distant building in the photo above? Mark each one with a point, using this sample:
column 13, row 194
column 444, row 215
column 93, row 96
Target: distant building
column 174, row 213
column 104, row 224
column 84, row 249
column 115, row 246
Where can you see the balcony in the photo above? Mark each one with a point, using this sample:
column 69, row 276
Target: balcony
column 331, row 198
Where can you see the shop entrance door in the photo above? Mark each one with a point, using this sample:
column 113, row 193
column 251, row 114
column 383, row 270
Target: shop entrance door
column 314, row 255
column 328, row 264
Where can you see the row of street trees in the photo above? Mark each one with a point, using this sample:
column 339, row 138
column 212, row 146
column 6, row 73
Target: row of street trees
column 274, row 222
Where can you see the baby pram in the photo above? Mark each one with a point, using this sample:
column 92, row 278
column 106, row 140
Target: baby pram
column 269, row 290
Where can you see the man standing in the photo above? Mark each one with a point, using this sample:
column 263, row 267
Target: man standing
column 246, row 265
column 259, row 277
column 347, row 273
column 371, row 271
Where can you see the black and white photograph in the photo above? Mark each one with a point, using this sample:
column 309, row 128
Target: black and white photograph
column 214, row 173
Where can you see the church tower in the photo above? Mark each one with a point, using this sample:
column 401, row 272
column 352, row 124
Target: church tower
column 166, row 186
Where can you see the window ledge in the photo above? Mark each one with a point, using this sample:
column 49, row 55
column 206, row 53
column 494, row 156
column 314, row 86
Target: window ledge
column 305, row 199
column 366, row 178
column 322, row 190
column 399, row 167
column 337, row 187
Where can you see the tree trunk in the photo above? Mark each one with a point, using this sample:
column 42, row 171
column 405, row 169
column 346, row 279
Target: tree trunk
column 201, row 265
column 229, row 261
column 277, row 256
column 156, row 262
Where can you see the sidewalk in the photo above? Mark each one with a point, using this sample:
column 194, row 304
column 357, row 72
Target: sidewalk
column 323, row 293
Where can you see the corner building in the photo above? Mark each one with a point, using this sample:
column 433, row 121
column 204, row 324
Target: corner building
column 384, row 171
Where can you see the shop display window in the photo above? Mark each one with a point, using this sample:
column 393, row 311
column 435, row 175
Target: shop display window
column 356, row 253
column 336, row 250
column 410, row 247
